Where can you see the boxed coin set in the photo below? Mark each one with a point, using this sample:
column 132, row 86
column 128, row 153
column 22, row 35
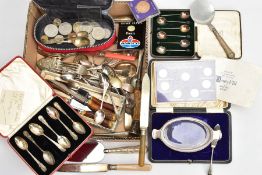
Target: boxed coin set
column 94, row 59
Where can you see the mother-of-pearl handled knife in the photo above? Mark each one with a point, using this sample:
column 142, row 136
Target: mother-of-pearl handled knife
column 144, row 114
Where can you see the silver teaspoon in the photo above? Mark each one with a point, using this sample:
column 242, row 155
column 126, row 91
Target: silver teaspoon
column 39, row 131
column 217, row 136
column 23, row 145
column 47, row 156
column 62, row 140
column 78, row 127
column 54, row 114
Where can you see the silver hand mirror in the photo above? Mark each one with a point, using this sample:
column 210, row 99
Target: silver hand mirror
column 186, row 134
column 202, row 12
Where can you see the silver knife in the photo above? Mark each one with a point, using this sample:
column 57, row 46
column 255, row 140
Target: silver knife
column 144, row 115
column 90, row 168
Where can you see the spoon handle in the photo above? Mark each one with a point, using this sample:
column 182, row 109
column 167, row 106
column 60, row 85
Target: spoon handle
column 211, row 163
column 29, row 137
column 41, row 166
column 72, row 134
column 114, row 105
column 41, row 118
column 105, row 105
column 229, row 52
column 62, row 110
column 56, row 144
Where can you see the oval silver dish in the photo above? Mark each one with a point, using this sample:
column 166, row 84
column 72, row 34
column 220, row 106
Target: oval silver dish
column 186, row 134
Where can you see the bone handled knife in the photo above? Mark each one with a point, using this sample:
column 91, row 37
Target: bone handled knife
column 144, row 115
column 90, row 168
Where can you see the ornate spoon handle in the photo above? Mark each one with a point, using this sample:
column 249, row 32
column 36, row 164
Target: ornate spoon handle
column 72, row 134
column 41, row 166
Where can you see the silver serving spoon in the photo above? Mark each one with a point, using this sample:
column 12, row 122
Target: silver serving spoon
column 203, row 12
column 114, row 80
column 84, row 60
column 78, row 127
column 183, row 43
column 39, row 131
column 54, row 114
column 106, row 69
column 62, row 140
column 183, row 28
column 217, row 136
column 47, row 155
column 107, row 80
column 183, row 15
column 162, row 35
column 163, row 21
column 100, row 114
column 162, row 50
column 67, row 76
column 23, row 145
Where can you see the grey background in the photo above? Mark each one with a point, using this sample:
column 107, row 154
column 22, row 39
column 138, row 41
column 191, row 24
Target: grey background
column 247, row 135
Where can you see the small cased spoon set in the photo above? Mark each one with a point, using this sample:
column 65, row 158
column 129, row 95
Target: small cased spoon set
column 173, row 34
column 49, row 137
column 41, row 127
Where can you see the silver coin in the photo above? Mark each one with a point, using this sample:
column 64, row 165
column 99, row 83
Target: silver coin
column 86, row 23
column 57, row 22
column 95, row 24
column 98, row 33
column 92, row 40
column 108, row 33
column 51, row 30
column 76, row 27
column 65, row 28
column 59, row 39
column 86, row 28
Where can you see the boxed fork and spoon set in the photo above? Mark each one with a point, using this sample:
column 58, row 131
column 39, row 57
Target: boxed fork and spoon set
column 92, row 73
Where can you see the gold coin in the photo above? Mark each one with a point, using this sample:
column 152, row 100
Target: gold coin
column 82, row 34
column 72, row 35
column 76, row 27
column 44, row 39
column 142, row 7
column 131, row 28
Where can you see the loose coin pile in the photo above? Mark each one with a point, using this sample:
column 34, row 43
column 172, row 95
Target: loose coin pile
column 80, row 34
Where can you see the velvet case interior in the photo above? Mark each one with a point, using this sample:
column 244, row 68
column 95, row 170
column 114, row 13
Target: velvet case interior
column 46, row 144
column 159, row 152
column 175, row 34
column 72, row 12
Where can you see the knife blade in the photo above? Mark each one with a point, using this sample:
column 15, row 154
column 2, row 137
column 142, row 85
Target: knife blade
column 90, row 168
column 97, row 152
column 134, row 130
column 144, row 115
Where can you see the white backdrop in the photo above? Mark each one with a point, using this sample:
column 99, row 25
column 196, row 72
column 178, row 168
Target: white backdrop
column 247, row 135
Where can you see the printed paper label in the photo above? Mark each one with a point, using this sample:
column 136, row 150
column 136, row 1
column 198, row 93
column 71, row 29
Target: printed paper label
column 10, row 106
column 237, row 82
